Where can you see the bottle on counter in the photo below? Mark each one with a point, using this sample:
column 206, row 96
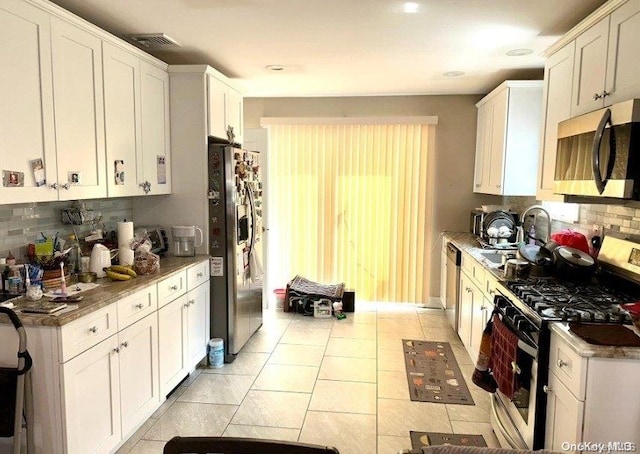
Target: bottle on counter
column 73, row 258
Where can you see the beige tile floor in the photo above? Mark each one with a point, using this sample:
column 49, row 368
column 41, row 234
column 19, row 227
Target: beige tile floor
column 323, row 381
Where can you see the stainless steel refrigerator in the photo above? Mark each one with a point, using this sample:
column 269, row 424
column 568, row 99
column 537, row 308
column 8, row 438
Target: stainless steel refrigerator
column 235, row 244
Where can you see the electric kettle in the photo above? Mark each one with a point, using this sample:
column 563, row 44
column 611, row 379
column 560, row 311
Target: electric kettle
column 100, row 259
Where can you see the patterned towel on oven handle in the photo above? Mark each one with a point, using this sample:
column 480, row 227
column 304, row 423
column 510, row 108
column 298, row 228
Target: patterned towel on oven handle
column 504, row 354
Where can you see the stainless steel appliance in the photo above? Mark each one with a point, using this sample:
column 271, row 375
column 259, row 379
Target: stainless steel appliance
column 598, row 153
column 528, row 306
column 235, row 244
column 454, row 257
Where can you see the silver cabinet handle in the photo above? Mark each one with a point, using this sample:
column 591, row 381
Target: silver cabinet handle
column 146, row 187
column 199, row 274
column 54, row 186
column 186, row 304
column 561, row 363
column 492, row 292
column 477, row 185
column 192, row 302
column 483, row 308
column 597, row 96
column 116, row 350
column 139, row 306
column 547, row 389
column 125, row 344
column 498, row 186
column 605, row 94
column 173, row 287
column 66, row 186
column 93, row 329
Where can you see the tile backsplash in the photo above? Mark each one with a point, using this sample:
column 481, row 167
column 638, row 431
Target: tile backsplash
column 21, row 224
column 617, row 220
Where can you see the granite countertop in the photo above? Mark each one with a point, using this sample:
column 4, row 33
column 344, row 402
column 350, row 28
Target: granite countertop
column 107, row 293
column 583, row 348
column 468, row 242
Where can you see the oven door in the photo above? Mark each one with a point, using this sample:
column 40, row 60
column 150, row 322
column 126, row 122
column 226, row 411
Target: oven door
column 513, row 422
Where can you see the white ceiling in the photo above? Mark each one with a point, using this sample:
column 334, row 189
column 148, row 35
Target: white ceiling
column 349, row 47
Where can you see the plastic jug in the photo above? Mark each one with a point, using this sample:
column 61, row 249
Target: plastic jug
column 100, row 259
column 184, row 240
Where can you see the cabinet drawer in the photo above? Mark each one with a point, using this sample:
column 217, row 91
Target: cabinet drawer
column 197, row 274
column 473, row 269
column 84, row 333
column 568, row 366
column 490, row 284
column 137, row 306
column 172, row 287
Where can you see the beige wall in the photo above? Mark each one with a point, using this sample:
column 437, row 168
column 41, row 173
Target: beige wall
column 451, row 163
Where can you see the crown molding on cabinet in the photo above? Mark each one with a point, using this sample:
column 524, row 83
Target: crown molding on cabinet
column 586, row 23
column 510, row 84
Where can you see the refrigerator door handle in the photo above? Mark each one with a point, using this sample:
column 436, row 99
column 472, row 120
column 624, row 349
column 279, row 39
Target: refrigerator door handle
column 252, row 206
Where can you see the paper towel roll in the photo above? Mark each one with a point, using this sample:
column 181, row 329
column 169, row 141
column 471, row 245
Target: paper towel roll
column 125, row 234
column 125, row 256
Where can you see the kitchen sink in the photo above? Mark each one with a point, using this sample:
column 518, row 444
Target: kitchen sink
column 494, row 257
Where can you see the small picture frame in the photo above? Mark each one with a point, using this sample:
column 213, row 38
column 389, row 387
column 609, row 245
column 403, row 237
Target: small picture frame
column 74, row 178
column 12, row 178
column 162, row 169
column 118, row 172
column 37, row 167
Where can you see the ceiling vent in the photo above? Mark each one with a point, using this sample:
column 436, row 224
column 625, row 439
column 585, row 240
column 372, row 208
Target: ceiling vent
column 152, row 40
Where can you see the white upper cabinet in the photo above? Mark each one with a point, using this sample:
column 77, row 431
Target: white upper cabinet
column 508, row 138
column 156, row 158
column 605, row 68
column 122, row 120
column 79, row 111
column 225, row 107
column 623, row 69
column 558, row 73
column 26, row 104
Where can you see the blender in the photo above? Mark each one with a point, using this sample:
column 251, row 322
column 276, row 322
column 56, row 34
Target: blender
column 184, row 240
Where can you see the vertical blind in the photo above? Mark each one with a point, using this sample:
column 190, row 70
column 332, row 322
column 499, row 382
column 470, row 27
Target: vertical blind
column 348, row 203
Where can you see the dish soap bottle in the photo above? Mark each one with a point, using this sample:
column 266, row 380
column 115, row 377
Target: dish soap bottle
column 532, row 233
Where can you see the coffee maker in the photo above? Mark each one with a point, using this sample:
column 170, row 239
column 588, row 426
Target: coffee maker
column 184, row 240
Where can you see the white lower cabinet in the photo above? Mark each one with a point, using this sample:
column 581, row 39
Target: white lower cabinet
column 110, row 389
column 590, row 399
column 183, row 326
column 92, row 399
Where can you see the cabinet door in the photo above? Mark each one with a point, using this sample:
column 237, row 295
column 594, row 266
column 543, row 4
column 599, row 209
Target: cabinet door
column 155, row 159
column 500, row 106
column 139, row 393
column 589, row 68
column 480, row 148
column 79, row 111
column 122, row 120
column 217, row 114
column 465, row 308
column 558, row 78
column 197, row 335
column 478, row 321
column 26, row 106
column 623, row 70
column 92, row 399
column 564, row 416
column 172, row 336
column 234, row 113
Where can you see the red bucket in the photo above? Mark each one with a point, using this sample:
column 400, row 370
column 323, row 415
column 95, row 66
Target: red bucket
column 280, row 293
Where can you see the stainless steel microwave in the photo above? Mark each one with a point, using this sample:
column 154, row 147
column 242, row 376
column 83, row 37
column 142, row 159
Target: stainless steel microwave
column 598, row 153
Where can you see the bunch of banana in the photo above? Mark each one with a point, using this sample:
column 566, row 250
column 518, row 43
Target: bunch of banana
column 120, row 273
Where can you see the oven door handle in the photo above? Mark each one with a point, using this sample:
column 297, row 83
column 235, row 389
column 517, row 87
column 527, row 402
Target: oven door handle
column 505, row 433
column 597, row 148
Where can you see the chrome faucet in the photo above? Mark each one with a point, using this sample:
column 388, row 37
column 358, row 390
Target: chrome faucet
column 521, row 233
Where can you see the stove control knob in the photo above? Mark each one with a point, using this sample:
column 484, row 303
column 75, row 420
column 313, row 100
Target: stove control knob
column 547, row 389
column 561, row 363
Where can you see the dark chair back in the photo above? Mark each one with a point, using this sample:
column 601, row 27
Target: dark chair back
column 233, row 445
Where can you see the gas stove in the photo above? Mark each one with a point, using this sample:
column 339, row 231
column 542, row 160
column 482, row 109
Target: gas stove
column 556, row 300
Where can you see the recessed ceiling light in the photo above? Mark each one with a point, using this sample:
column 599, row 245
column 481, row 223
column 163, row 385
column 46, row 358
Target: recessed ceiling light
column 453, row 74
column 519, row 52
column 274, row 67
column 410, row 7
